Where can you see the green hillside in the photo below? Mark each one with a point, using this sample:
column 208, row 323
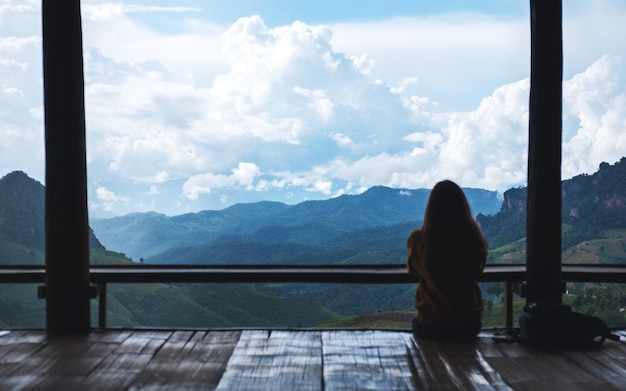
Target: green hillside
column 386, row 245
column 378, row 320
column 13, row 253
column 609, row 248
column 132, row 305
column 210, row 306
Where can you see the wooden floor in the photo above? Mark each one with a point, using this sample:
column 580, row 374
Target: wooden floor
column 295, row 360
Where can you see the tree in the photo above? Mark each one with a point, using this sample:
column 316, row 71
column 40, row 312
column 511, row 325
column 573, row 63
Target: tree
column 495, row 289
column 489, row 306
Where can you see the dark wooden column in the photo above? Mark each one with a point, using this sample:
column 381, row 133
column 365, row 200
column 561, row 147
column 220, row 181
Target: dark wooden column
column 67, row 236
column 543, row 228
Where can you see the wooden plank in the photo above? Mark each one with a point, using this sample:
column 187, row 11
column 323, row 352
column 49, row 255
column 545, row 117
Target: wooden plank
column 181, row 369
column 110, row 336
column 525, row 366
column 67, row 355
column 188, row 360
column 373, row 274
column 19, row 359
column 275, row 360
column 159, row 369
column 459, row 365
column 126, row 358
column 569, row 371
column 23, row 336
column 466, row 363
column 25, row 358
column 298, row 359
column 366, row 360
column 18, row 382
column 597, row 362
column 208, row 359
column 388, row 274
column 124, row 364
column 143, row 342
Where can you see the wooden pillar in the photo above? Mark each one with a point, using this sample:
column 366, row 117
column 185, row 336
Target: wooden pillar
column 66, row 223
column 543, row 230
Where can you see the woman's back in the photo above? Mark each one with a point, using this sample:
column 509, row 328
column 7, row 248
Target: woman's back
column 447, row 255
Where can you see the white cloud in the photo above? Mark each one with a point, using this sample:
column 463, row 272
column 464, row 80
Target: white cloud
column 595, row 110
column 192, row 110
column 341, row 139
column 282, row 81
column 106, row 200
column 458, row 57
column 15, row 8
column 242, row 176
column 22, row 66
column 147, row 118
column 104, row 195
column 321, row 186
column 318, row 101
column 283, row 88
column 421, row 107
column 14, row 44
column 20, row 18
column 427, row 140
column 161, row 177
column 187, row 45
column 482, row 148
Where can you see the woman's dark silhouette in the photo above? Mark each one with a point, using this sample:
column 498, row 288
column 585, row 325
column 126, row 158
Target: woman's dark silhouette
column 447, row 255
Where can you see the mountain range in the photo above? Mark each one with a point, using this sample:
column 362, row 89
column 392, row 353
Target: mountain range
column 159, row 238
column 368, row 228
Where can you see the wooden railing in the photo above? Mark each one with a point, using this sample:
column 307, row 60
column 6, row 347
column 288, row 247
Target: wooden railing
column 511, row 275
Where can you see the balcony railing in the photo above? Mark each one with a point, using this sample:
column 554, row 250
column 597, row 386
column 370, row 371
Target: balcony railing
column 511, row 275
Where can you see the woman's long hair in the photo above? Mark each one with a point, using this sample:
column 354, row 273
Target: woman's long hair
column 450, row 231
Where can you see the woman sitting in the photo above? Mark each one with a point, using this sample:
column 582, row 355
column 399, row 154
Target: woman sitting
column 447, row 255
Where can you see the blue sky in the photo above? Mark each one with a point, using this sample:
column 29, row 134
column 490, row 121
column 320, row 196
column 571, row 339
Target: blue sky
column 195, row 105
column 328, row 11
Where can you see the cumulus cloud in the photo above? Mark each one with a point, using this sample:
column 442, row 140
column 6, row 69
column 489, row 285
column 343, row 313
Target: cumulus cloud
column 487, row 147
column 106, row 200
column 341, row 139
column 283, row 81
column 595, row 110
column 242, row 176
column 146, row 118
column 459, row 57
column 187, row 45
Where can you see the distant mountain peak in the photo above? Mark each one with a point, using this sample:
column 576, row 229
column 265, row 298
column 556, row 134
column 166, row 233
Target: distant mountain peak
column 15, row 176
column 18, row 180
column 590, row 204
column 22, row 211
